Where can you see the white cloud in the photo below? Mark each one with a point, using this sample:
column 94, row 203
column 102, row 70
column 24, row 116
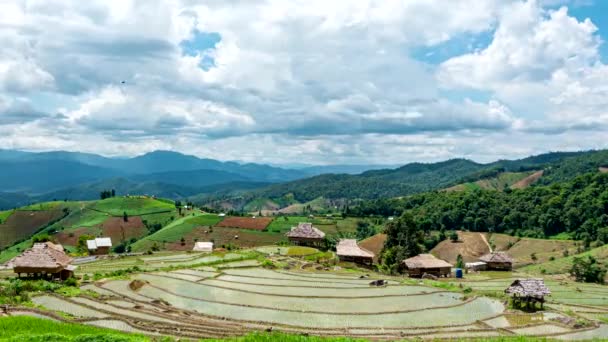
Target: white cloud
column 297, row 80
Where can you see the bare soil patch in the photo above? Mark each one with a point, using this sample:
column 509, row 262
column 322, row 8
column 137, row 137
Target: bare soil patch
column 374, row 244
column 23, row 223
column 224, row 236
column 119, row 230
column 70, row 238
column 471, row 246
column 603, row 169
column 258, row 223
column 526, row 182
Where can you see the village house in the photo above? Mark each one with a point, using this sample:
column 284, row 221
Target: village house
column 528, row 292
column 99, row 246
column 203, row 247
column 423, row 264
column 349, row 250
column 44, row 260
column 476, row 266
column 306, row 235
column 500, row 261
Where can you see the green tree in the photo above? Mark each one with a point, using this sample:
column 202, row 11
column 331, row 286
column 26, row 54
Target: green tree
column 403, row 241
column 82, row 243
column 454, row 236
column 125, row 217
column 588, row 270
column 364, row 230
column 459, row 261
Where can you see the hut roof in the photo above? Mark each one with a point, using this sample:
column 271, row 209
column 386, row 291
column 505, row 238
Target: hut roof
column 528, row 288
column 349, row 247
column 203, row 247
column 305, row 230
column 42, row 255
column 497, row 257
column 99, row 242
column 425, row 261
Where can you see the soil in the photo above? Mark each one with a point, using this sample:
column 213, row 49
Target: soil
column 23, row 223
column 526, row 182
column 224, row 236
column 118, row 230
column 70, row 238
column 258, row 223
column 603, row 169
column 470, row 245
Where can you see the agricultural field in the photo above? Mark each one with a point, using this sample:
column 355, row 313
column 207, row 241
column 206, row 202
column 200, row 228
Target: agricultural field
column 562, row 264
column 191, row 295
column 20, row 224
column 254, row 223
column 329, row 225
column 133, row 206
column 513, row 180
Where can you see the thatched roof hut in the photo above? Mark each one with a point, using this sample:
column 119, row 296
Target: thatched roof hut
column 305, row 234
column 43, row 258
column 426, row 263
column 349, row 250
column 498, row 261
column 528, row 291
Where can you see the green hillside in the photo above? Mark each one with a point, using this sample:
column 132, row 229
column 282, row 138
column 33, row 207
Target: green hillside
column 502, row 181
column 135, row 206
column 562, row 265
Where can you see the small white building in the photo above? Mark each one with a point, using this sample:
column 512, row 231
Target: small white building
column 203, row 247
column 99, row 246
column 222, row 215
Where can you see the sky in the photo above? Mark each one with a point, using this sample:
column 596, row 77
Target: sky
column 305, row 81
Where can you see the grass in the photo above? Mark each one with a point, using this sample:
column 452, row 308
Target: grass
column 177, row 229
column 134, row 206
column 330, row 226
column 22, row 328
column 5, row 214
column 563, row 264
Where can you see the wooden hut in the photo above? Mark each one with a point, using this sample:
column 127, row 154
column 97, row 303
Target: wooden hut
column 500, row 261
column 44, row 260
column 99, row 246
column 306, row 235
column 423, row 264
column 349, row 250
column 528, row 292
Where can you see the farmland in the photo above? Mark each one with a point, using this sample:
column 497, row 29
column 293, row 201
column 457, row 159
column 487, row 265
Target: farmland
column 255, row 223
column 193, row 295
column 20, row 224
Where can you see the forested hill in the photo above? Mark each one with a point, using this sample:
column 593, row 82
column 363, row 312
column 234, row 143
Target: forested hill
column 576, row 209
column 418, row 177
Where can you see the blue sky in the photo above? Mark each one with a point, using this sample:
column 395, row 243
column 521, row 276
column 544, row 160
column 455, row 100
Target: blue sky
column 311, row 81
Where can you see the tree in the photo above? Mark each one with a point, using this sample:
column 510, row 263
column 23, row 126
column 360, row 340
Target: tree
column 125, row 217
column 533, row 257
column 364, row 230
column 588, row 270
column 403, row 240
column 82, row 243
column 113, row 193
column 453, row 236
column 459, row 261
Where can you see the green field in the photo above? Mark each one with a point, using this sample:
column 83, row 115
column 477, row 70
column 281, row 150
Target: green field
column 133, row 206
column 563, row 264
column 4, row 215
column 179, row 228
column 329, row 225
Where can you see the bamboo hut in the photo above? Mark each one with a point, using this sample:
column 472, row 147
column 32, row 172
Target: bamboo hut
column 528, row 292
column 500, row 261
column 44, row 260
column 349, row 250
column 306, row 235
column 423, row 264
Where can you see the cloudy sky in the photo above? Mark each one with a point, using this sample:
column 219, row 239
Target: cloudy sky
column 305, row 81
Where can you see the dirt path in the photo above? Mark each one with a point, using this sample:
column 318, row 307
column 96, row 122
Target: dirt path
column 483, row 237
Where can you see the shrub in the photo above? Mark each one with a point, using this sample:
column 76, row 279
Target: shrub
column 588, row 270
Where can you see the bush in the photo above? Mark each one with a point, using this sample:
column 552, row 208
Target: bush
column 588, row 270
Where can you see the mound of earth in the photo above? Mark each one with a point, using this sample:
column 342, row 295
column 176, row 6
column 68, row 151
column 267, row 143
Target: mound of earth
column 374, row 244
column 470, row 245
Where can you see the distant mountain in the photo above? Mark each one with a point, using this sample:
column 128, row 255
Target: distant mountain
column 346, row 169
column 421, row 177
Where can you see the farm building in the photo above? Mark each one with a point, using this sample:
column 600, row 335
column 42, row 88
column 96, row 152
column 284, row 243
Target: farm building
column 423, row 264
column 203, row 247
column 500, row 261
column 44, row 260
column 348, row 250
column 306, row 235
column 528, row 292
column 99, row 246
column 476, row 266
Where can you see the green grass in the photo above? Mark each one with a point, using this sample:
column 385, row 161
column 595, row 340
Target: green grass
column 563, row 264
column 22, row 328
column 134, row 206
column 177, row 229
column 330, row 226
column 4, row 215
column 562, row 236
column 43, row 206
